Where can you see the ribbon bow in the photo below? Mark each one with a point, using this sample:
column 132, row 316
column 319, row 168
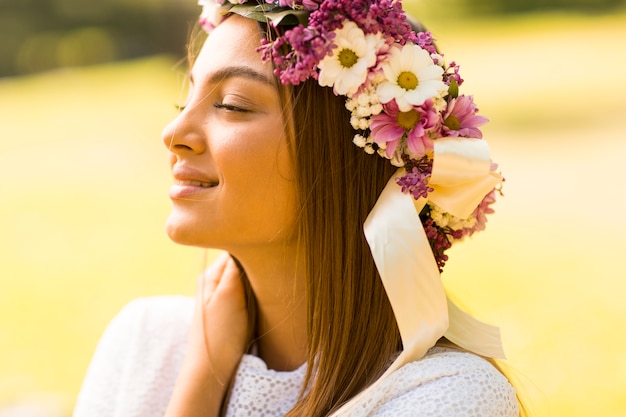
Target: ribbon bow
column 461, row 177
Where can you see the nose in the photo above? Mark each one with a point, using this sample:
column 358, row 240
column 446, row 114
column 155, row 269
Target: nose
column 184, row 134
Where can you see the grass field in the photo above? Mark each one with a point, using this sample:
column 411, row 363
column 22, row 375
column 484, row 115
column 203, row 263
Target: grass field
column 83, row 185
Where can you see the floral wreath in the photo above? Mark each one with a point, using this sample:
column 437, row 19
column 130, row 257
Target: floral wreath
column 402, row 96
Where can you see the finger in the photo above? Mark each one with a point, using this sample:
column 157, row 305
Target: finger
column 210, row 277
column 231, row 283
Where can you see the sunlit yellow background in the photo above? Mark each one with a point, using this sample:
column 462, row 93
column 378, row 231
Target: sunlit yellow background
column 83, row 199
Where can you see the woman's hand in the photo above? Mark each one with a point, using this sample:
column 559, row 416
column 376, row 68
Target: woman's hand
column 217, row 341
column 218, row 336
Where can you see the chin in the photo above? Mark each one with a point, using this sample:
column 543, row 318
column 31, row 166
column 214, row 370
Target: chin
column 183, row 230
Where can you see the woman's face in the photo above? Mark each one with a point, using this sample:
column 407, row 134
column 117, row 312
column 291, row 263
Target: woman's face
column 233, row 174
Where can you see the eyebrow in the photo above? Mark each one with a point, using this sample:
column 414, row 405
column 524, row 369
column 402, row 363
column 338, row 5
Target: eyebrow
column 237, row 71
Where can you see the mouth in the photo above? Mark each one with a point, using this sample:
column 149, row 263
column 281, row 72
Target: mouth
column 187, row 189
column 195, row 183
column 189, row 181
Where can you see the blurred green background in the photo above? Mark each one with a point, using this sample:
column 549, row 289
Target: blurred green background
column 87, row 87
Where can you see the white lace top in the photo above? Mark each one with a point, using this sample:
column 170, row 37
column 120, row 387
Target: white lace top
column 134, row 369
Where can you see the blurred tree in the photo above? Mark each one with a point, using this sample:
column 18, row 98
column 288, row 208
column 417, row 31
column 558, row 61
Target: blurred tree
column 36, row 35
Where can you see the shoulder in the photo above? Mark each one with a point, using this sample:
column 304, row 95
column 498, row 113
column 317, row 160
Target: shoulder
column 448, row 383
column 148, row 326
column 138, row 358
column 150, row 315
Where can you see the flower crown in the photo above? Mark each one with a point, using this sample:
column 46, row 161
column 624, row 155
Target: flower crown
column 402, row 97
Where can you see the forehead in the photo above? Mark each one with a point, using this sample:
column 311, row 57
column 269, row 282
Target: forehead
column 233, row 42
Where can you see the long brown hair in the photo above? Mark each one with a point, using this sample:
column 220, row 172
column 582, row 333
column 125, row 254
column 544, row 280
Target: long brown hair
column 352, row 332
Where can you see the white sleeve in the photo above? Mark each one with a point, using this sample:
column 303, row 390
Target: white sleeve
column 134, row 368
column 448, row 383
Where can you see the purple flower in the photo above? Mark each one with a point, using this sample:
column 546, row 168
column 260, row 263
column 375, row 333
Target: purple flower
column 392, row 125
column 416, row 183
column 307, row 48
column 425, row 41
column 438, row 240
column 385, row 16
column 460, row 118
column 452, row 72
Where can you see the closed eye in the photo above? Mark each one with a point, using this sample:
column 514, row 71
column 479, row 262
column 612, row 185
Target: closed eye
column 230, row 107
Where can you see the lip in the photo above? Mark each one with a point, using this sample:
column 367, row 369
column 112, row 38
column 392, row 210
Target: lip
column 189, row 181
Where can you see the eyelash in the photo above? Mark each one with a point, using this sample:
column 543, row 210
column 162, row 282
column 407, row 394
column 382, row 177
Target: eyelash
column 230, row 107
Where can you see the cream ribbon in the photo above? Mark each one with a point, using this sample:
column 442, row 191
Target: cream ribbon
column 461, row 177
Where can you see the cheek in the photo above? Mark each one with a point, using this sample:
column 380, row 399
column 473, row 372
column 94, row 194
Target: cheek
column 258, row 151
column 257, row 170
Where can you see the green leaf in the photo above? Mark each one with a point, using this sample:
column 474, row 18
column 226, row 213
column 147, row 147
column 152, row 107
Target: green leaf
column 268, row 12
column 453, row 90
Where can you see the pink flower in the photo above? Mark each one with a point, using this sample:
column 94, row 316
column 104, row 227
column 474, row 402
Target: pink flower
column 460, row 118
column 393, row 125
column 481, row 212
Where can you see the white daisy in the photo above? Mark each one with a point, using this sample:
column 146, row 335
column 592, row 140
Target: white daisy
column 411, row 77
column 355, row 53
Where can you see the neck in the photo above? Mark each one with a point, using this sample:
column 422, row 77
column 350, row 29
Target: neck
column 277, row 281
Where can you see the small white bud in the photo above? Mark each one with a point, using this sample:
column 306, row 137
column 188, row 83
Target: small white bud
column 359, row 141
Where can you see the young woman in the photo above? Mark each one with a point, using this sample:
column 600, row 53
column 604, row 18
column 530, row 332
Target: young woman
column 327, row 298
